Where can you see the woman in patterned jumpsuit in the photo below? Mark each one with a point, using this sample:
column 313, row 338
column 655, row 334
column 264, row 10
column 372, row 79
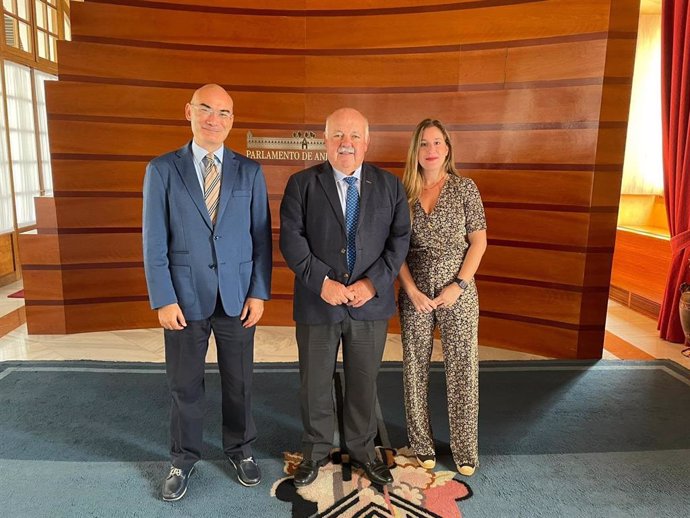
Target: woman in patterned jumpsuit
column 438, row 289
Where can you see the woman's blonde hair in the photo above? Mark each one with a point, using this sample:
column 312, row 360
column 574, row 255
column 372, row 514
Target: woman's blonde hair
column 412, row 177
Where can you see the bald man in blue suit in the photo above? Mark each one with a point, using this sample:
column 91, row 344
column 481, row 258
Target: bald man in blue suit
column 207, row 257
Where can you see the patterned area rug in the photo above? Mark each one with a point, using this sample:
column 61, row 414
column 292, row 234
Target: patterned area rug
column 341, row 491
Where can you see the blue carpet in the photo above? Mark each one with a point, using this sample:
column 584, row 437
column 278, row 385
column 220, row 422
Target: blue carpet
column 556, row 439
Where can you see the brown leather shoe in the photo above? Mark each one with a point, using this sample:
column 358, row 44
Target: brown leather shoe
column 376, row 471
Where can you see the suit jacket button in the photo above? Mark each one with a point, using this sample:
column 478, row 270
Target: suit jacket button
column 211, row 266
column 342, row 250
column 347, row 275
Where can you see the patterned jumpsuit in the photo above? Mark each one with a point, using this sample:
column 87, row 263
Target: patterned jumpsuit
column 437, row 249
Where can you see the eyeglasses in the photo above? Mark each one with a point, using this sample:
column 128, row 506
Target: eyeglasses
column 207, row 111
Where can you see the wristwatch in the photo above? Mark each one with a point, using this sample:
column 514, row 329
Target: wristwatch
column 461, row 282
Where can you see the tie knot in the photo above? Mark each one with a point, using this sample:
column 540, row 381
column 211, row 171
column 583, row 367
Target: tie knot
column 210, row 159
column 350, row 180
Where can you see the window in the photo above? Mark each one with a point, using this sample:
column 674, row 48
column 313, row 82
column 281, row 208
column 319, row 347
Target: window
column 17, row 21
column 6, row 205
column 22, row 130
column 643, row 164
column 40, row 79
column 46, row 29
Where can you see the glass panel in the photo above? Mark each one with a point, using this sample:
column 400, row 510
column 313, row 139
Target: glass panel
column 23, row 9
column 53, row 48
column 24, row 37
column 41, row 79
column 6, row 205
column 42, row 41
column 8, row 5
column 68, row 29
column 40, row 14
column 20, row 115
column 52, row 2
column 52, row 20
column 11, row 31
column 643, row 170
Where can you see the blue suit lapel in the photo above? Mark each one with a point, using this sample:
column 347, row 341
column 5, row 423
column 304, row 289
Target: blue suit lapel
column 185, row 167
column 227, row 180
column 328, row 183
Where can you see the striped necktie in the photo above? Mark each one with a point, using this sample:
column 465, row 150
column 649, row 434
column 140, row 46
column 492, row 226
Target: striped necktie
column 211, row 186
column 351, row 218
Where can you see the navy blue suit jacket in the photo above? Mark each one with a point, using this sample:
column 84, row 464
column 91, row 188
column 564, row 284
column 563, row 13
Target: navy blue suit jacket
column 313, row 241
column 189, row 261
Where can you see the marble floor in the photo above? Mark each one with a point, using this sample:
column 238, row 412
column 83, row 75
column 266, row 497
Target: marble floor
column 629, row 335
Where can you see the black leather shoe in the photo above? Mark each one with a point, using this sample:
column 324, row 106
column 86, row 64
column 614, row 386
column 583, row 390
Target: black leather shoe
column 248, row 472
column 175, row 484
column 308, row 470
column 376, row 470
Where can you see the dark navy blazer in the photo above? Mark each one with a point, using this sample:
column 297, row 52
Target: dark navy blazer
column 313, row 241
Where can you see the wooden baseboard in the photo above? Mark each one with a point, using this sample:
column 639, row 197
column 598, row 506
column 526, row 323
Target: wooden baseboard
column 9, row 278
column 635, row 302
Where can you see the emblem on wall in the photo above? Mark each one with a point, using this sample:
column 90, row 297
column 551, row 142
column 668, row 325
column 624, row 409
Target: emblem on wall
column 302, row 145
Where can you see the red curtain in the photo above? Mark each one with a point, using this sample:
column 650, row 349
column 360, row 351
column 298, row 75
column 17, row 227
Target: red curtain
column 675, row 108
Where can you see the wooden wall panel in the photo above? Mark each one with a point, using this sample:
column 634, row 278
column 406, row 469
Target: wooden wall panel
column 534, row 187
column 529, row 337
column 47, row 320
column 39, row 250
column 566, row 229
column 495, row 107
column 519, row 107
column 552, row 304
column 539, row 63
column 86, row 283
column 132, row 64
column 102, row 138
column 533, row 265
column 88, row 317
column 98, row 212
column 386, row 29
column 123, row 22
column 465, row 26
column 640, row 264
column 535, row 95
column 80, row 249
column 7, row 266
column 134, row 102
column 72, row 176
column 520, row 146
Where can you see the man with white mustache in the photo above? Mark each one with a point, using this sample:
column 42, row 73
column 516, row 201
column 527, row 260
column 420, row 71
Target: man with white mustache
column 344, row 232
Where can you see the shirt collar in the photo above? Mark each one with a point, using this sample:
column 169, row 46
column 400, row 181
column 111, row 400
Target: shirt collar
column 200, row 153
column 339, row 176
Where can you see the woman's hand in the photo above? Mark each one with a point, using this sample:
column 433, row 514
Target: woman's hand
column 421, row 303
column 448, row 296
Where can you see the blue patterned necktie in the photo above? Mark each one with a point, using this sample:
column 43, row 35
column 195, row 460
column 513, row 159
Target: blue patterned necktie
column 351, row 218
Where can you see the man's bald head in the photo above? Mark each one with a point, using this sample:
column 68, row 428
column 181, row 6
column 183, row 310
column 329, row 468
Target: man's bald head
column 211, row 116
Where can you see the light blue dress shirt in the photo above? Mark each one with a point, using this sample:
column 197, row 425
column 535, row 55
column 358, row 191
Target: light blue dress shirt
column 199, row 155
column 342, row 185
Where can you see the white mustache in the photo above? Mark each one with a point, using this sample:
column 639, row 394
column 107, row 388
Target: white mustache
column 346, row 149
